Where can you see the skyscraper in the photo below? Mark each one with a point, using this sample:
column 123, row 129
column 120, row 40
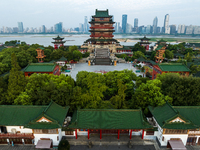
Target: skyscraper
column 117, row 27
column 43, row 29
column 58, row 27
column 124, row 23
column 166, row 24
column 85, row 24
column 172, row 29
column 155, row 24
column 135, row 22
column 20, row 27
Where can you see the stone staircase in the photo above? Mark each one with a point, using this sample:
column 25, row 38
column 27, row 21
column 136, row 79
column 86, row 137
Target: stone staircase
column 102, row 56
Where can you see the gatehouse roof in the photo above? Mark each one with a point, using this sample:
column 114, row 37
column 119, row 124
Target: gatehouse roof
column 109, row 119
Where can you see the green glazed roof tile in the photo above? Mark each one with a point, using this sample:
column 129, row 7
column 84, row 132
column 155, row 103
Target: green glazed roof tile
column 101, row 13
column 108, row 119
column 40, row 67
column 174, row 67
column 164, row 114
column 28, row 115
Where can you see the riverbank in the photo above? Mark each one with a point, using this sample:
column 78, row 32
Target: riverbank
column 171, row 40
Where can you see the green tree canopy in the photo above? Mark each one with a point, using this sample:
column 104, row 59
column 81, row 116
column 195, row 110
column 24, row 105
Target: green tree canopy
column 16, row 82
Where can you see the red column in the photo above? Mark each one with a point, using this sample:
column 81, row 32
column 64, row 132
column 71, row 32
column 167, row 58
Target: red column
column 130, row 134
column 76, row 133
column 142, row 134
column 118, row 134
column 100, row 134
column 88, row 134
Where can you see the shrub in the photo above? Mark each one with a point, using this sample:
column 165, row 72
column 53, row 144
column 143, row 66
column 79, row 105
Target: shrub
column 64, row 145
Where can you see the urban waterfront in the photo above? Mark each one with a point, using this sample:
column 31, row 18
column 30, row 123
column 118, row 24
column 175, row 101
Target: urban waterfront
column 71, row 39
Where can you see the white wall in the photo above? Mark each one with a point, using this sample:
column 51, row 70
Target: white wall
column 22, row 130
column 167, row 137
column 53, row 137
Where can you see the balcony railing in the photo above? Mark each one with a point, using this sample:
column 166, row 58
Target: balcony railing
column 16, row 135
column 101, row 27
column 99, row 35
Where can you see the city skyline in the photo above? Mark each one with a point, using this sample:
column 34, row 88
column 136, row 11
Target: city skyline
column 71, row 13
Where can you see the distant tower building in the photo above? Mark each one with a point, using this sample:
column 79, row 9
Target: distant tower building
column 172, row 29
column 136, row 23
column 148, row 29
column 189, row 29
column 43, row 29
column 85, row 24
column 183, row 29
column 117, row 28
column 155, row 24
column 58, row 27
column 20, row 27
column 166, row 24
column 124, row 23
column 179, row 29
column 80, row 27
column 128, row 28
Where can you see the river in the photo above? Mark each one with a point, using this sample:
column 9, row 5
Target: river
column 71, row 39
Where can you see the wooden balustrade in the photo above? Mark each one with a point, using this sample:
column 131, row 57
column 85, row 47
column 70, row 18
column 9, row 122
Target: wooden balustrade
column 16, row 135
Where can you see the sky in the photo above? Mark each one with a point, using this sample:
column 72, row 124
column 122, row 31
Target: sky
column 35, row 13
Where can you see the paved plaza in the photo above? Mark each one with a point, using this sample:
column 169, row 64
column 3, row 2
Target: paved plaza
column 96, row 68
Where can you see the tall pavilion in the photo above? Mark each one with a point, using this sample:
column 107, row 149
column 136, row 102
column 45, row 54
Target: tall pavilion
column 145, row 42
column 58, row 42
column 101, row 29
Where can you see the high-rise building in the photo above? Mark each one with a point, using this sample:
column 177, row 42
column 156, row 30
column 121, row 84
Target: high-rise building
column 158, row 29
column 128, row 28
column 124, row 23
column 155, row 24
column 148, row 29
column 166, row 24
column 117, row 27
column 136, row 23
column 172, row 29
column 85, row 24
column 43, row 29
column 189, row 29
column 80, row 27
column 20, row 27
column 197, row 30
column 58, row 27
column 15, row 30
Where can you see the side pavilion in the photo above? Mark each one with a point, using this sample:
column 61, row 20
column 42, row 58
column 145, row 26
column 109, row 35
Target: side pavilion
column 108, row 121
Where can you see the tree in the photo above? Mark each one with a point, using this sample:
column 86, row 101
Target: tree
column 184, row 90
column 73, row 48
column 138, row 47
column 138, row 54
column 188, row 57
column 77, row 55
column 118, row 100
column 149, row 94
column 16, row 82
column 3, row 91
column 42, row 88
column 169, row 54
column 64, row 145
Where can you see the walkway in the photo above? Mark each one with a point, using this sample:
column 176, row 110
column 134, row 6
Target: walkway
column 84, row 67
